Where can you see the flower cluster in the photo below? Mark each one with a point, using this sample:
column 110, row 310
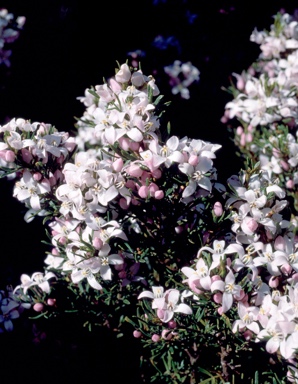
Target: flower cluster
column 263, row 113
column 142, row 231
column 182, row 75
column 10, row 28
column 106, row 186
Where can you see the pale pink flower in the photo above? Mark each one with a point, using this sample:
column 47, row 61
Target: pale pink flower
column 230, row 290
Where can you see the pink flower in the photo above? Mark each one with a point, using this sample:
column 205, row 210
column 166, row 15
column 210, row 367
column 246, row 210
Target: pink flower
column 217, row 209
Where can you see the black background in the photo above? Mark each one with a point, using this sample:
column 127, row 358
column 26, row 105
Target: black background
column 64, row 48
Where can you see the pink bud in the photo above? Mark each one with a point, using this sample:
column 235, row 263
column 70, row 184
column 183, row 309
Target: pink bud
column 55, row 252
column 97, row 243
column 122, row 274
column 134, row 146
column 247, row 335
column 51, row 302
column 217, row 298
column 143, row 191
column 172, row 324
column 123, row 203
column 157, row 173
column 239, row 130
column 193, row 160
column 160, row 313
column 152, row 189
column 220, row 310
column 124, row 74
column 166, row 334
column 62, row 240
column 134, row 170
column 118, row 165
column 137, row 334
column 242, row 139
column 155, row 338
column 26, row 155
column 215, row 278
column 290, row 184
column 159, row 195
column 10, row 156
column 273, row 282
column 124, row 143
column 249, row 138
column 38, row 307
column 179, row 229
column 286, row 269
column 217, row 209
column 285, row 166
column 37, row 176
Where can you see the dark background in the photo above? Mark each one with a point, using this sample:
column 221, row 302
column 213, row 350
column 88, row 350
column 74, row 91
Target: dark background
column 64, row 48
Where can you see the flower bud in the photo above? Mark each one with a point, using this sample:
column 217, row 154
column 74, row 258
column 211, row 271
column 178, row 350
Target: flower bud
column 239, row 130
column 155, row 338
column 159, row 195
column 285, row 166
column 97, row 243
column 134, row 146
column 220, row 311
column 51, row 302
column 286, row 269
column 137, row 334
column 217, row 209
column 160, row 313
column 290, row 184
column 124, row 143
column 179, row 229
column 124, row 74
column 123, row 203
column 156, row 173
column 247, row 335
column 118, row 165
column 38, row 307
column 26, row 155
column 10, row 156
column 55, row 252
column 172, row 324
column 217, row 298
column 122, row 274
column 193, row 160
column 37, row 176
column 273, row 282
column 166, row 334
column 143, row 191
column 134, row 170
